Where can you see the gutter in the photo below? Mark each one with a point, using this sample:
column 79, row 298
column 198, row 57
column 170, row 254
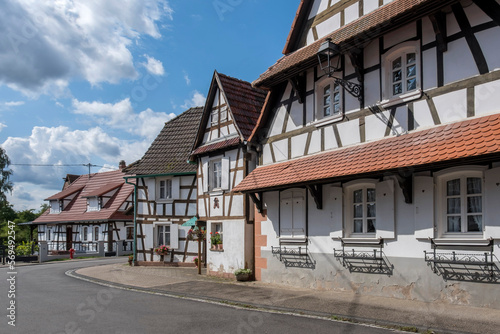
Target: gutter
column 135, row 215
column 156, row 175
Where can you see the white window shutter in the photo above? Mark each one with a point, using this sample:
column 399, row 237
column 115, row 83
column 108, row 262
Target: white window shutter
column 423, row 199
column 385, row 209
column 174, row 236
column 286, row 217
column 176, row 187
column 337, row 212
column 491, row 218
column 299, row 217
column 225, row 173
column 204, row 170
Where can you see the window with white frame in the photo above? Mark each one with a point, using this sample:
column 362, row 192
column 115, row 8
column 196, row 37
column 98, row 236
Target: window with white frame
column 85, row 234
column 364, row 209
column 215, row 174
column 165, row 189
column 216, row 235
column 96, row 233
column 461, row 196
column 329, row 100
column 401, row 73
column 163, row 235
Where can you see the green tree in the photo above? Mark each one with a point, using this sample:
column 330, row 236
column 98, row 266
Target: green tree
column 5, row 173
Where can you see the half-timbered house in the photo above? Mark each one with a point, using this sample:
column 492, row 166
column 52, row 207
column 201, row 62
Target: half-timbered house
column 166, row 190
column 379, row 170
column 224, row 158
column 92, row 209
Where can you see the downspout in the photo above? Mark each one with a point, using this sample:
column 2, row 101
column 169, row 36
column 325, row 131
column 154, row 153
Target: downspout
column 254, row 154
column 135, row 220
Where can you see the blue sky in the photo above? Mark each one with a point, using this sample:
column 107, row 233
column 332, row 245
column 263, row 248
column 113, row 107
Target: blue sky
column 85, row 81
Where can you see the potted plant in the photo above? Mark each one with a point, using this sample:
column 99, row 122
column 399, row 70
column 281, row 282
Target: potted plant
column 243, row 274
column 162, row 251
column 196, row 261
column 130, row 259
column 215, row 240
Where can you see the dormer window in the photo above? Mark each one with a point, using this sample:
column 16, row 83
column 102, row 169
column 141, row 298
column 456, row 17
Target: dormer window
column 94, row 203
column 56, row 206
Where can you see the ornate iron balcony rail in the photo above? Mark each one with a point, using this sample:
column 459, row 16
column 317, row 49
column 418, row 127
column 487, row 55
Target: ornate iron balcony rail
column 294, row 254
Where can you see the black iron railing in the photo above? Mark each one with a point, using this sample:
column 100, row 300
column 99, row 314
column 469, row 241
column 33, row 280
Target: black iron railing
column 468, row 263
column 359, row 259
column 294, row 253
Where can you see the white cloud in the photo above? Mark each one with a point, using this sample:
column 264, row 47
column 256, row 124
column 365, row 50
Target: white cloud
column 121, row 115
column 14, row 103
column 186, row 77
column 61, row 146
column 153, row 66
column 198, row 100
column 73, row 39
column 2, row 126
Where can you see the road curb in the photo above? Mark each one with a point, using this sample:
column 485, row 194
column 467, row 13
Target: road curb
column 394, row 326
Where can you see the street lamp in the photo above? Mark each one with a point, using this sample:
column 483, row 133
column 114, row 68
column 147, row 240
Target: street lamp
column 329, row 50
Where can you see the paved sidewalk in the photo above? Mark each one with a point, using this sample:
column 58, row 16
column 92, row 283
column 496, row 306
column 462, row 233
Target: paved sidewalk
column 185, row 282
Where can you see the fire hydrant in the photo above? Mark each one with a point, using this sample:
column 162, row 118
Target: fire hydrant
column 71, row 253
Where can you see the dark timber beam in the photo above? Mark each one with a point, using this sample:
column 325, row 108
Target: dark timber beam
column 317, row 193
column 439, row 24
column 299, row 86
column 471, row 39
column 257, row 201
column 490, row 8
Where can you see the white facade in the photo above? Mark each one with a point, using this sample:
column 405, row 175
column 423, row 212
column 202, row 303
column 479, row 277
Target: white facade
column 412, row 81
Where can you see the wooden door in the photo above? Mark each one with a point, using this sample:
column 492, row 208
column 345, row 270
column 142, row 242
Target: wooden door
column 69, row 237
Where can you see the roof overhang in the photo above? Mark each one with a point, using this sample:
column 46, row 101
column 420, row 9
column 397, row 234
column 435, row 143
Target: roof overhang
column 471, row 141
column 351, row 36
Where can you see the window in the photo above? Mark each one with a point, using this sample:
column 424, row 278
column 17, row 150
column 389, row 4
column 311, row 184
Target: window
column 48, row 234
column 329, row 101
column 216, row 174
column 364, row 210
column 163, row 237
column 130, row 232
column 216, row 236
column 215, row 116
column 401, row 74
column 369, row 209
column 462, row 202
column 85, row 233
column 165, row 189
column 96, row 233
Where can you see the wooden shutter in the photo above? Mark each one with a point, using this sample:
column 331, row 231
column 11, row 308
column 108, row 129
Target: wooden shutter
column 491, row 216
column 205, row 176
column 286, row 217
column 385, row 209
column 225, row 173
column 176, row 187
column 424, row 206
column 299, row 216
column 174, row 236
column 337, row 212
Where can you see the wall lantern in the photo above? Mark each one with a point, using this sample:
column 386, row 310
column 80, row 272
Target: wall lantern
column 328, row 51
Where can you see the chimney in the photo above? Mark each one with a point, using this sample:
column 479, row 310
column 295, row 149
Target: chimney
column 122, row 164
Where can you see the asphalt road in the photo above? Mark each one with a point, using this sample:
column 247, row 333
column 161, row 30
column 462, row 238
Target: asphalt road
column 46, row 300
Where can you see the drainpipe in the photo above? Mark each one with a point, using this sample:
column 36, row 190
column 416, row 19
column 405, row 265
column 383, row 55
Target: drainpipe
column 254, row 154
column 135, row 219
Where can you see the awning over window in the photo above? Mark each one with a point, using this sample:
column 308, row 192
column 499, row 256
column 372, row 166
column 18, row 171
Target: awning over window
column 191, row 222
column 472, row 138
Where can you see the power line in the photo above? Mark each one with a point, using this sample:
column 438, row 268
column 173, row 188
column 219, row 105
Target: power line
column 89, row 165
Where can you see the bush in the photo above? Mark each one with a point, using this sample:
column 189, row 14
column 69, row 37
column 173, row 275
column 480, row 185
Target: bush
column 25, row 248
column 243, row 271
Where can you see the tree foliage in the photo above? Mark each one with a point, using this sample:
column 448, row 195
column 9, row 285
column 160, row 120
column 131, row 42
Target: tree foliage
column 5, row 174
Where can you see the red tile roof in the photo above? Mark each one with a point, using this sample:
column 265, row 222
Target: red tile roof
column 90, row 186
column 169, row 152
column 217, row 146
column 473, row 138
column 65, row 193
column 395, row 13
column 244, row 101
column 103, row 190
